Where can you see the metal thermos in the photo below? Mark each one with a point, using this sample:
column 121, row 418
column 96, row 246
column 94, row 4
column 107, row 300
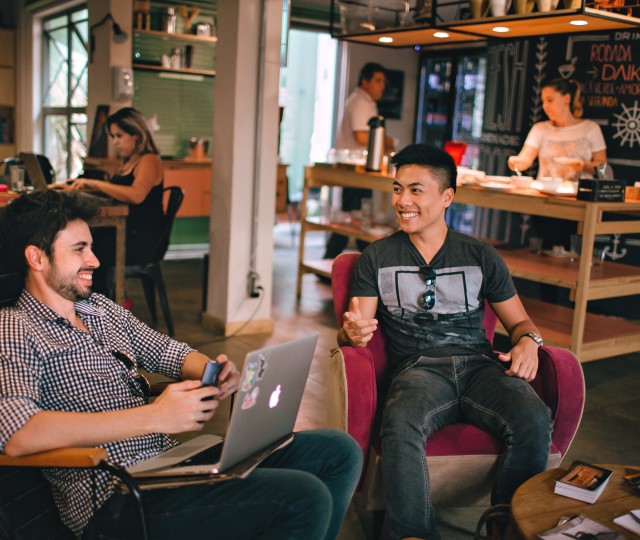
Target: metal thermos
column 375, row 145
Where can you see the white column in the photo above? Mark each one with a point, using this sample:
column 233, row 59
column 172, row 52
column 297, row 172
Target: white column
column 245, row 148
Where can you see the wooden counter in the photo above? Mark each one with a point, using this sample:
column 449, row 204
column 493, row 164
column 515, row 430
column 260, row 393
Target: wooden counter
column 589, row 336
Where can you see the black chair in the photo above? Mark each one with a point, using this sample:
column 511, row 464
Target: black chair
column 151, row 272
column 11, row 285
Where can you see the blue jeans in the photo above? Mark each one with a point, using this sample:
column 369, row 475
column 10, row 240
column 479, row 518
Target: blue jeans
column 302, row 491
column 435, row 392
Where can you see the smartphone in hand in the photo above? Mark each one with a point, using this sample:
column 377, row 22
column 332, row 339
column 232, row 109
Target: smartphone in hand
column 210, row 374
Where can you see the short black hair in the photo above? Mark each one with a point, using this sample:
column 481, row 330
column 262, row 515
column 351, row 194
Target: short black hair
column 425, row 155
column 35, row 219
column 369, row 70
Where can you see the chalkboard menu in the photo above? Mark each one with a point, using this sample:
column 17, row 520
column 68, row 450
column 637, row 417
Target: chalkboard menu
column 606, row 63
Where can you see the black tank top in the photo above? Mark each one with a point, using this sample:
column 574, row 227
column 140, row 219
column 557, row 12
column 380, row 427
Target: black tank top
column 148, row 211
column 144, row 222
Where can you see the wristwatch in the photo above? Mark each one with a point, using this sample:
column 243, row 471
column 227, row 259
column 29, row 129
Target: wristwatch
column 535, row 337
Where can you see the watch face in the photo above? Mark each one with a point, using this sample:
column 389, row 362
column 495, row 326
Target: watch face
column 536, row 338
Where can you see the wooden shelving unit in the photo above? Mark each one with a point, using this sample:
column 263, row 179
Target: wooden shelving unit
column 588, row 335
column 187, row 71
column 185, row 37
column 591, row 17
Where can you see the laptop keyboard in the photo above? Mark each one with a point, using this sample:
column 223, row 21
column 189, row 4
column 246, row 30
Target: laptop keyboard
column 210, row 456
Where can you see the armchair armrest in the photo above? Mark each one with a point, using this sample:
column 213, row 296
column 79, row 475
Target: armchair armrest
column 62, row 457
column 560, row 384
column 353, row 377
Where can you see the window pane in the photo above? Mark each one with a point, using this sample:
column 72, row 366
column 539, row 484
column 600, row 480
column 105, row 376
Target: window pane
column 56, row 22
column 65, row 72
column 78, row 143
column 79, row 79
column 57, row 84
column 55, row 143
column 80, row 15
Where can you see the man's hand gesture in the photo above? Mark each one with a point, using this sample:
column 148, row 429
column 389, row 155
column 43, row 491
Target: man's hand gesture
column 356, row 330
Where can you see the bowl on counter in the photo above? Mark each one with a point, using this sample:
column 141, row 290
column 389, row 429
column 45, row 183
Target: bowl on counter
column 557, row 186
column 469, row 176
column 521, row 182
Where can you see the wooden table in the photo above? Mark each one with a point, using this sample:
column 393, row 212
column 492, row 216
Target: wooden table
column 116, row 216
column 535, row 508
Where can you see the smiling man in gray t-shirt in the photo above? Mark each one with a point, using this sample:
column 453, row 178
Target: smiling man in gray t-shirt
column 428, row 286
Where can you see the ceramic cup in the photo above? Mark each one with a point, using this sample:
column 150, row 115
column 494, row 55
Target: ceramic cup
column 544, row 5
column 498, row 7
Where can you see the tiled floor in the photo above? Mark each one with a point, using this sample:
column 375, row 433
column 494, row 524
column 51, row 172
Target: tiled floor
column 606, row 435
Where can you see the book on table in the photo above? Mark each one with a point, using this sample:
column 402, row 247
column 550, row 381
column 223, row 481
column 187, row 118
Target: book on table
column 583, row 481
column 630, row 521
column 580, row 527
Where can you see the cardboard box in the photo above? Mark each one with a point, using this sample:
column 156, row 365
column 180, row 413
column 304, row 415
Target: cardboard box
column 601, row 190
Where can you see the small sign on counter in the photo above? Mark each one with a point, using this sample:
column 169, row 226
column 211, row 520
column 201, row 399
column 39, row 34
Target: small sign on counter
column 601, row 190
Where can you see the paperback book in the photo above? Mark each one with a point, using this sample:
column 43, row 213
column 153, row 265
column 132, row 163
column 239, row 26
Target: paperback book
column 583, row 481
column 580, row 527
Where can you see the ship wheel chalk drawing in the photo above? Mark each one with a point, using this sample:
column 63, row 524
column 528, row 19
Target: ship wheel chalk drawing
column 628, row 125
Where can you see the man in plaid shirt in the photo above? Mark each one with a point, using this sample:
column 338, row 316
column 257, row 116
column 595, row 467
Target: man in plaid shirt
column 69, row 376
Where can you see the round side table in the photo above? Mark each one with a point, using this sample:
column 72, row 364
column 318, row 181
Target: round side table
column 536, row 508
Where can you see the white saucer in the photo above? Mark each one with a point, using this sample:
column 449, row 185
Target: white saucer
column 495, row 185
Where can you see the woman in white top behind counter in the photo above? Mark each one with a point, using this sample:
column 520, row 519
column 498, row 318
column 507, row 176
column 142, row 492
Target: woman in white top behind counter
column 565, row 135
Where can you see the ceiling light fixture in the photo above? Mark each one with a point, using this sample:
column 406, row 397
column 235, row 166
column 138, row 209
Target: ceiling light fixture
column 441, row 35
column 501, row 29
column 385, row 39
column 119, row 35
column 579, row 22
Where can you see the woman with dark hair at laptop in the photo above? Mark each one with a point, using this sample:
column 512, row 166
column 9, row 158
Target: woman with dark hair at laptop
column 139, row 183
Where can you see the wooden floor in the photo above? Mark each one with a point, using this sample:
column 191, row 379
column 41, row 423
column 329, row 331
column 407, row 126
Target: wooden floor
column 612, row 412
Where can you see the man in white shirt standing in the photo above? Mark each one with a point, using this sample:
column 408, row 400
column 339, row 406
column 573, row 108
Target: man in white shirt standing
column 353, row 134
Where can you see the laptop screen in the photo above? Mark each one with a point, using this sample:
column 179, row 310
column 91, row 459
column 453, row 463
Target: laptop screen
column 35, row 172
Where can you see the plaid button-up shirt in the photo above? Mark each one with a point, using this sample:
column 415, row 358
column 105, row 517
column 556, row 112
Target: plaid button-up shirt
column 48, row 364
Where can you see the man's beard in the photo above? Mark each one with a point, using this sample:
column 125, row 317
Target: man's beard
column 66, row 286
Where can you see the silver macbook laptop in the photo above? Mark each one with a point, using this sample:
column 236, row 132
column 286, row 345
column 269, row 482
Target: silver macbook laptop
column 34, row 170
column 264, row 413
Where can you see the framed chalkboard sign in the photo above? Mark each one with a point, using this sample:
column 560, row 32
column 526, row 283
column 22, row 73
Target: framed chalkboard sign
column 607, row 64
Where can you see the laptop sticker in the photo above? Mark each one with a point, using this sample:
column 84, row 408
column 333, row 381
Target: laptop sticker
column 251, row 398
column 250, row 376
column 262, row 366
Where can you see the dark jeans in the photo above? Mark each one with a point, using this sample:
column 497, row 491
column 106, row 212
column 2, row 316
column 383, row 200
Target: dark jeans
column 351, row 200
column 435, row 392
column 301, row 491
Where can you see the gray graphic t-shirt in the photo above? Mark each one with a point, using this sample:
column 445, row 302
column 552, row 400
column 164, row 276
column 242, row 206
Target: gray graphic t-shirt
column 466, row 272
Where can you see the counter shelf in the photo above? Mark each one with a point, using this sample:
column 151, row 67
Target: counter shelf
column 358, row 24
column 589, row 336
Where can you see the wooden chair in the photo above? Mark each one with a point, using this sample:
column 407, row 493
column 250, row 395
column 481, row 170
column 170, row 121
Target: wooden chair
column 461, row 457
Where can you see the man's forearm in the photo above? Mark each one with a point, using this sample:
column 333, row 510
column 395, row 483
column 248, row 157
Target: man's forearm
column 523, row 329
column 47, row 430
column 193, row 365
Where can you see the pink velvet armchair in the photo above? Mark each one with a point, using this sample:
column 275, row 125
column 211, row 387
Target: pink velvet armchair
column 461, row 457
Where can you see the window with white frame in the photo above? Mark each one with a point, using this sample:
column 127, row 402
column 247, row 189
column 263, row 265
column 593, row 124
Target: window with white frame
column 65, row 85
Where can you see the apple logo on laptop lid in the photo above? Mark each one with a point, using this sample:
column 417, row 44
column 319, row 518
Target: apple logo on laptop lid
column 275, row 397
